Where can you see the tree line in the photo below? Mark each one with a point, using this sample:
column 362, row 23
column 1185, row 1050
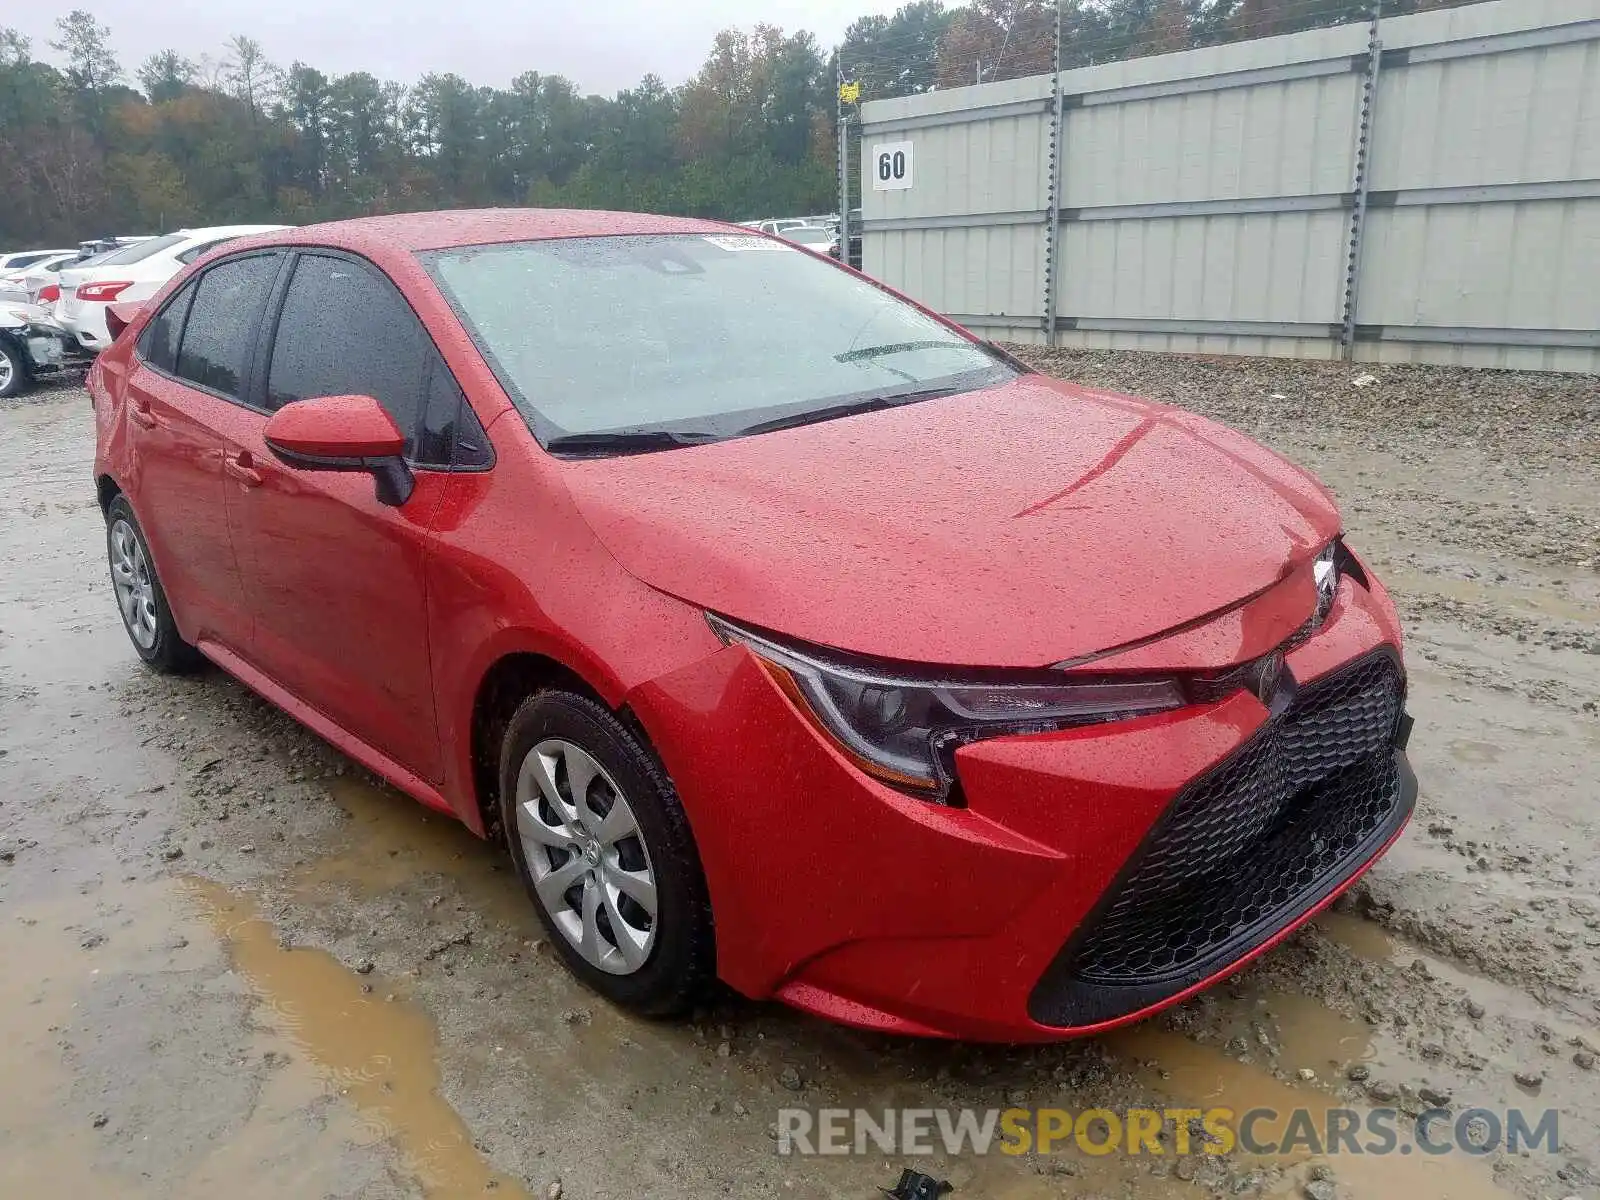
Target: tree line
column 88, row 147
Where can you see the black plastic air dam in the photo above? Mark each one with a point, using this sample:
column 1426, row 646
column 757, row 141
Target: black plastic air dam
column 1245, row 850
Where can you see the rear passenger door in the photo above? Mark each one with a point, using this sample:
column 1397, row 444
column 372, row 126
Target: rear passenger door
column 185, row 386
column 337, row 578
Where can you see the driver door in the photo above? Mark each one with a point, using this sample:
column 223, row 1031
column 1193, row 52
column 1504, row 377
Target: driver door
column 335, row 576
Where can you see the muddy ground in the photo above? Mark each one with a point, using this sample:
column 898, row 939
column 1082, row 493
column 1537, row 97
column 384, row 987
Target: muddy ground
column 234, row 965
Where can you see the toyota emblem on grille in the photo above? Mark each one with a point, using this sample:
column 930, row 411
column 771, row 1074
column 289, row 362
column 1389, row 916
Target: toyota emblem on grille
column 1265, row 676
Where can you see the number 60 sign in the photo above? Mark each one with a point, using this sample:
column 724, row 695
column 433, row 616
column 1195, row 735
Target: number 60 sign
column 890, row 166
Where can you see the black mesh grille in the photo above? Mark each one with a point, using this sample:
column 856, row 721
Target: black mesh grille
column 1246, row 848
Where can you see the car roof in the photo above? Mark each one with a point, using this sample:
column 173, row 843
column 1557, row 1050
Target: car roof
column 215, row 231
column 483, row 226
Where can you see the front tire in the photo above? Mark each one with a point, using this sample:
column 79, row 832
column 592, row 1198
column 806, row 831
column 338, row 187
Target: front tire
column 146, row 615
column 15, row 378
column 604, row 849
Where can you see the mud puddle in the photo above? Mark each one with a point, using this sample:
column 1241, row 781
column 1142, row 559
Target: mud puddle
column 135, row 1067
column 1195, row 1078
column 370, row 1050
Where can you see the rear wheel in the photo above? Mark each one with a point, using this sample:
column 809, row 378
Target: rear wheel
column 604, row 849
column 146, row 615
column 14, row 375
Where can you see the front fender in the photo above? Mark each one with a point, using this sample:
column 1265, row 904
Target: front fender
column 513, row 570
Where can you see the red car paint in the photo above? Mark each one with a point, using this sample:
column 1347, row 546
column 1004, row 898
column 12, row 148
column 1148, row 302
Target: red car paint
column 333, row 425
column 1026, row 525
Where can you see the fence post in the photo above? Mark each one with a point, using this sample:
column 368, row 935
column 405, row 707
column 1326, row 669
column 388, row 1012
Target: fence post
column 844, row 166
column 1363, row 181
column 1052, row 228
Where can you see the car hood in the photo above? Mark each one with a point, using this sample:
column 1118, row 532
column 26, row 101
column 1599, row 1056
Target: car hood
column 1020, row 525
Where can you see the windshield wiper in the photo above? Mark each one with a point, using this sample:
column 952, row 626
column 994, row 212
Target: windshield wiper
column 897, row 348
column 870, row 404
column 626, row 441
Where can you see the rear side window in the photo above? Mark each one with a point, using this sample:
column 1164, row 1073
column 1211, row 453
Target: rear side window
column 159, row 344
column 223, row 318
column 139, row 251
column 346, row 331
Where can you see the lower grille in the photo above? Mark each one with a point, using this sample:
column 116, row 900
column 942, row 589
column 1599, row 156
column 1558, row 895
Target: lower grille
column 1244, row 850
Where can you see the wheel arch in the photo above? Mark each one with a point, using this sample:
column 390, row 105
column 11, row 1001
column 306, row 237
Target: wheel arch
column 106, row 489
column 506, row 683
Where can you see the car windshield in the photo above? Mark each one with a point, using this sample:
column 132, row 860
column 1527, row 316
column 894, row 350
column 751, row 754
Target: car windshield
column 140, row 251
column 692, row 335
column 809, row 236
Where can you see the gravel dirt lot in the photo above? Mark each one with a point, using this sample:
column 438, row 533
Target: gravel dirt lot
column 234, row 963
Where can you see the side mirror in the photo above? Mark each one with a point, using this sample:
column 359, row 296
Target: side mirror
column 343, row 433
column 120, row 316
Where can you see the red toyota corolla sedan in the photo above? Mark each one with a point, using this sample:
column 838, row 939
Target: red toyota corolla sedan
column 787, row 633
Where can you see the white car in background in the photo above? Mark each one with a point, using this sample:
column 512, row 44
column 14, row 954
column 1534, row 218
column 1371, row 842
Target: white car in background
column 134, row 272
column 16, row 260
column 814, row 237
column 22, row 285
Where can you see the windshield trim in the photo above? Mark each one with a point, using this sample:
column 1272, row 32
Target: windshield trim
column 1001, row 368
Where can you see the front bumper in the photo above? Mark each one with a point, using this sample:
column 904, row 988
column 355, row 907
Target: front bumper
column 1096, row 874
column 1246, row 851
column 47, row 348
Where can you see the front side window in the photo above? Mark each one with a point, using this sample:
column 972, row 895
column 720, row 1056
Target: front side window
column 220, row 334
column 451, row 434
column 694, row 336
column 345, row 331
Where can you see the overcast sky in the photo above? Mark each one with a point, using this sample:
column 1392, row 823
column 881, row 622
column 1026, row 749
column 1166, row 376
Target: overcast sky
column 602, row 44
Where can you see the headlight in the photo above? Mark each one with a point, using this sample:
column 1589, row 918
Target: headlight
column 903, row 726
column 1325, row 573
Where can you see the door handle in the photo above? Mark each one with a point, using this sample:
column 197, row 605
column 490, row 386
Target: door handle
column 241, row 467
column 139, row 410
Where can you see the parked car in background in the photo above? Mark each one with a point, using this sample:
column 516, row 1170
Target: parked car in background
column 95, row 247
column 23, row 284
column 133, row 272
column 784, row 632
column 31, row 345
column 814, row 237
column 16, row 260
column 782, row 224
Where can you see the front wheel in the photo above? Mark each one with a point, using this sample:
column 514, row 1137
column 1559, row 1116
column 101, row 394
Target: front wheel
column 603, row 847
column 14, row 375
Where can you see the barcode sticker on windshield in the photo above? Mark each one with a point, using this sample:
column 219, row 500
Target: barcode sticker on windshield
column 738, row 243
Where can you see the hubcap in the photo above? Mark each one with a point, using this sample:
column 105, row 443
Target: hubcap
column 6, row 369
column 136, row 593
column 589, row 864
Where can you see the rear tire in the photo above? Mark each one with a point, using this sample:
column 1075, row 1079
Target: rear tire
column 146, row 615
column 610, row 864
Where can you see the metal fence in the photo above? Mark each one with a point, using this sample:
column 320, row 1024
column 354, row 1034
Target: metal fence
column 1423, row 189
